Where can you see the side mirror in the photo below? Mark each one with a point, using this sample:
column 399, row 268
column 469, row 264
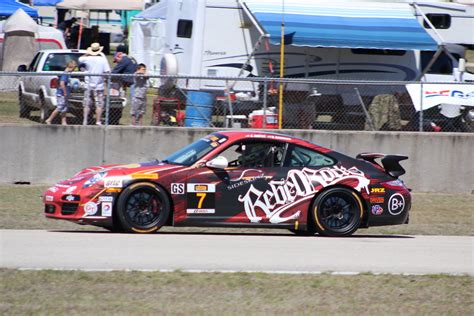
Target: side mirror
column 22, row 68
column 219, row 162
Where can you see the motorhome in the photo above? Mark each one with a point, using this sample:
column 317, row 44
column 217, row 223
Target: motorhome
column 229, row 38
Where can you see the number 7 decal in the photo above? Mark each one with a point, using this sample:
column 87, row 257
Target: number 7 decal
column 200, row 198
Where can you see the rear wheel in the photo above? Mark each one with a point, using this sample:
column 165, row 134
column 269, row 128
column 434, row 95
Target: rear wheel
column 143, row 208
column 337, row 212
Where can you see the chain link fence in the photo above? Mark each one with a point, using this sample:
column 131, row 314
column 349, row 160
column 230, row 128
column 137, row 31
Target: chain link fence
column 243, row 103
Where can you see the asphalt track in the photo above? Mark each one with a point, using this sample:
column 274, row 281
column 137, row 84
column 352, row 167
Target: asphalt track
column 102, row 251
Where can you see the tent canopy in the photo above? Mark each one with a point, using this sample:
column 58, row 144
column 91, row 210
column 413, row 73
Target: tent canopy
column 8, row 7
column 45, row 3
column 20, row 21
column 101, row 5
column 341, row 24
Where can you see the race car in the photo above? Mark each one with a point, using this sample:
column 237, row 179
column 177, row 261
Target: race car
column 239, row 179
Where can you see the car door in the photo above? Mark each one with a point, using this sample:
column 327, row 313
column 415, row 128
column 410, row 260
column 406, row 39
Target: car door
column 28, row 84
column 244, row 193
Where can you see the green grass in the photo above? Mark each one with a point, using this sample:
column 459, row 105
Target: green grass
column 432, row 214
column 178, row 293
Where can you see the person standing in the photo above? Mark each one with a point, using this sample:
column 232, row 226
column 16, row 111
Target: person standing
column 95, row 63
column 138, row 107
column 62, row 94
column 127, row 66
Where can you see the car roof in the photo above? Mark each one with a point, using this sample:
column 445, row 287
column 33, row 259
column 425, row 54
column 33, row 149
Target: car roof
column 57, row 51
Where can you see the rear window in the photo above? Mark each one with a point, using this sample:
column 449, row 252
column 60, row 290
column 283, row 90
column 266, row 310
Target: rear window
column 57, row 62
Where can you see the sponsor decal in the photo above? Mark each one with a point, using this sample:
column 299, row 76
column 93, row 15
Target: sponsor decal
column 70, row 190
column 248, row 176
column 71, row 197
column 90, row 208
column 214, row 144
column 222, row 140
column 377, row 190
column 106, row 198
column 201, row 187
column 53, row 189
column 396, row 204
column 48, row 198
column 145, row 176
column 113, row 182
column 377, row 199
column 377, row 209
column 96, row 178
column 298, row 185
column 106, row 208
column 200, row 211
column 177, row 188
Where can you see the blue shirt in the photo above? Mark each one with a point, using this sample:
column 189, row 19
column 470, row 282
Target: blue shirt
column 59, row 91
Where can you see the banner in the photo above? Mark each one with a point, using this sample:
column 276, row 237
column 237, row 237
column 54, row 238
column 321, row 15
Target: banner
column 436, row 94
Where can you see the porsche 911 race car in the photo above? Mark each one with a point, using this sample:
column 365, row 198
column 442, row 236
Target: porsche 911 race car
column 239, row 179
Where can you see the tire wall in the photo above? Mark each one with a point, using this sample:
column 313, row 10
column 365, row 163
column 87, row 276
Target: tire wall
column 438, row 162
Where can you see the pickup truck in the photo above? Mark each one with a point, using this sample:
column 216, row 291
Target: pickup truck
column 37, row 87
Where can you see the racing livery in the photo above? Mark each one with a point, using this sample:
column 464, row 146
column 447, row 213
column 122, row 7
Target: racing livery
column 239, row 179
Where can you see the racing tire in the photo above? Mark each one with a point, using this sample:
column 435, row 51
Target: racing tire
column 142, row 208
column 25, row 110
column 337, row 212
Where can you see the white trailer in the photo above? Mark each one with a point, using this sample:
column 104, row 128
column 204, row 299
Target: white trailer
column 225, row 38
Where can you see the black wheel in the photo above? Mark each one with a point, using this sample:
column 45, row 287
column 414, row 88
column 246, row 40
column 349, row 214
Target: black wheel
column 45, row 112
column 25, row 110
column 337, row 212
column 143, row 208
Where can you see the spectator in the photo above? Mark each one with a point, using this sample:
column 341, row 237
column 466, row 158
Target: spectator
column 139, row 98
column 62, row 94
column 66, row 27
column 95, row 63
column 125, row 65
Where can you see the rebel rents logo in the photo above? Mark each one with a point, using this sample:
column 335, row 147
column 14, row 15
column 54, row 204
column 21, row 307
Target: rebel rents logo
column 298, row 186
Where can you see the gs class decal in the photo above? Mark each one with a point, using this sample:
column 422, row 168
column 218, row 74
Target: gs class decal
column 201, row 198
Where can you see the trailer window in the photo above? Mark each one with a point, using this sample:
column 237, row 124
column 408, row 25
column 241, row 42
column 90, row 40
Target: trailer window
column 442, row 66
column 185, row 28
column 384, row 52
column 439, row 21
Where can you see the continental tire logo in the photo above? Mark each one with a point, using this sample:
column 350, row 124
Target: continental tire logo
column 396, row 204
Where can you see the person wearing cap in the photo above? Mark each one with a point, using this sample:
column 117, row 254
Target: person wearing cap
column 127, row 66
column 94, row 62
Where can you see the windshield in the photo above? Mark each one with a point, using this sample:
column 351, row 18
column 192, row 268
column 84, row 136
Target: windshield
column 195, row 151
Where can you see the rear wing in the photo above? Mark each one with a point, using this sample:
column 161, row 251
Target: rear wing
column 390, row 163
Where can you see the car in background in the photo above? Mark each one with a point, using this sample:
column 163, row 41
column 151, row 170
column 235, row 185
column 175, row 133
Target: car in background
column 38, row 91
column 239, row 179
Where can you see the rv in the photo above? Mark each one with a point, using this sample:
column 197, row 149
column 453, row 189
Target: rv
column 224, row 38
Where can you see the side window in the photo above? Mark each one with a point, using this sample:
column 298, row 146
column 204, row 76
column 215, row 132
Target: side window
column 185, row 28
column 304, row 157
column 439, row 21
column 255, row 154
column 34, row 62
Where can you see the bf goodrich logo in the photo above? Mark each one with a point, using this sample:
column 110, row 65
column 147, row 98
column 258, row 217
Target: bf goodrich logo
column 396, row 203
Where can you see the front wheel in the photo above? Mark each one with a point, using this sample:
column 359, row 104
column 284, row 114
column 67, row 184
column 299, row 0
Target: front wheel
column 337, row 212
column 25, row 110
column 143, row 208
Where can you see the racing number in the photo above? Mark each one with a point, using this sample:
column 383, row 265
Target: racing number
column 201, row 199
column 202, row 196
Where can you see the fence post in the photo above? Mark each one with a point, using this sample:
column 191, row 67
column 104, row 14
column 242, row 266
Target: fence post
column 107, row 101
column 229, row 102
column 421, row 108
column 265, row 92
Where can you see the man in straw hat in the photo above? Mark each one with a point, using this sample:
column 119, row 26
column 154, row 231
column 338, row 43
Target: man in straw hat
column 94, row 62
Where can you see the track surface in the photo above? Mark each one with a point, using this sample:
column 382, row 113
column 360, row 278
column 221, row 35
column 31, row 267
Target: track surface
column 36, row 249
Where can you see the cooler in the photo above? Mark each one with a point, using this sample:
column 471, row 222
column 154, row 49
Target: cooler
column 256, row 119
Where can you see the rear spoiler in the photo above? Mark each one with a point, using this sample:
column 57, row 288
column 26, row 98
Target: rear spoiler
column 391, row 163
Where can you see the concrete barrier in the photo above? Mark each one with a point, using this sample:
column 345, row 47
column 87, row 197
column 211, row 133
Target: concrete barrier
column 438, row 162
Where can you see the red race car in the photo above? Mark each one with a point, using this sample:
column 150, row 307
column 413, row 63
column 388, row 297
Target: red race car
column 239, row 179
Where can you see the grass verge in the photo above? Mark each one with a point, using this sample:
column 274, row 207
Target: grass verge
column 133, row 293
column 432, row 214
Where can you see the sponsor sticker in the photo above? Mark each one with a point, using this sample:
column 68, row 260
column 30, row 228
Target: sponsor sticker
column 377, row 209
column 201, row 187
column 49, row 198
column 113, row 182
column 377, row 190
column 106, row 208
column 69, row 198
column 396, row 204
column 200, row 211
column 377, row 199
column 53, row 189
column 70, row 190
column 90, row 208
column 177, row 188
column 106, row 198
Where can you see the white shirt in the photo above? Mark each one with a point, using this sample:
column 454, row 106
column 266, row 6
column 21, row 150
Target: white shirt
column 95, row 65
